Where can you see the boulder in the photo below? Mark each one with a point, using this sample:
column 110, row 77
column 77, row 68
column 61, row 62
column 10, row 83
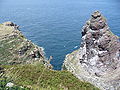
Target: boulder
column 9, row 84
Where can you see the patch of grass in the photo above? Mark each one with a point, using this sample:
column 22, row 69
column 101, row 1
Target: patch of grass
column 3, row 83
column 38, row 77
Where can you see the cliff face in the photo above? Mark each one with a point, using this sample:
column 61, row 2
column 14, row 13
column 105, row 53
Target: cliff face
column 22, row 65
column 15, row 48
column 98, row 59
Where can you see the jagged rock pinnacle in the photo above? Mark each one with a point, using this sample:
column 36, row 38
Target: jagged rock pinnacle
column 101, row 46
column 96, row 14
column 97, row 21
column 98, row 59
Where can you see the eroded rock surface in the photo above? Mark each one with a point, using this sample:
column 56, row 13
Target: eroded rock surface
column 98, row 59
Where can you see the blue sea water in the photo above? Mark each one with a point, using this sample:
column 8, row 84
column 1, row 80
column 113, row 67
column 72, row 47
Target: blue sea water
column 56, row 24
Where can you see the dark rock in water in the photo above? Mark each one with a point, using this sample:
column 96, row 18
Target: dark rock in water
column 99, row 57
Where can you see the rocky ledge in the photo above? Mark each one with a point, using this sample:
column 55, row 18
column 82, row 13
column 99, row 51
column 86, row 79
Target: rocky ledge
column 16, row 49
column 98, row 59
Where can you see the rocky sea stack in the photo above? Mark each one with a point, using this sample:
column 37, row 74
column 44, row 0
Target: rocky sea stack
column 98, row 59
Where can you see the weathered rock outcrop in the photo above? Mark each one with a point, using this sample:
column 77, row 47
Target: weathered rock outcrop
column 98, row 59
column 16, row 49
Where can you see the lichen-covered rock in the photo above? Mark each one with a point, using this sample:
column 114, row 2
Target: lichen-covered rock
column 16, row 49
column 98, row 59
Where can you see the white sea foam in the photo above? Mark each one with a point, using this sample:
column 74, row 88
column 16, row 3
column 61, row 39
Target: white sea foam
column 75, row 46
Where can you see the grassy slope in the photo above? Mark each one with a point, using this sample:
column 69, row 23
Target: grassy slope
column 37, row 77
column 3, row 83
column 11, row 41
column 33, row 76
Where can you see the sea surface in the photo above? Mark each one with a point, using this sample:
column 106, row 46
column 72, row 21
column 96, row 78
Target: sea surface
column 56, row 24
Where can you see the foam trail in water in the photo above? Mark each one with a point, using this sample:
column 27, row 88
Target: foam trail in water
column 75, row 46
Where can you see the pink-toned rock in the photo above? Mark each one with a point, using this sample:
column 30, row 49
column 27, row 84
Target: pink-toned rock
column 98, row 59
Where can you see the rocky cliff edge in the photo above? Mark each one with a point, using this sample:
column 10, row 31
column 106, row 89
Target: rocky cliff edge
column 98, row 59
column 16, row 49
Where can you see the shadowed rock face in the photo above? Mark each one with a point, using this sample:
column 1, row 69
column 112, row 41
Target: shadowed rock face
column 98, row 59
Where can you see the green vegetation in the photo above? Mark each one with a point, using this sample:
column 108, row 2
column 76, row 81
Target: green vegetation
column 15, row 50
column 3, row 83
column 9, row 49
column 37, row 77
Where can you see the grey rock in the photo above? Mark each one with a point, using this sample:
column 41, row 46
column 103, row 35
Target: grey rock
column 9, row 84
column 96, row 14
column 98, row 59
